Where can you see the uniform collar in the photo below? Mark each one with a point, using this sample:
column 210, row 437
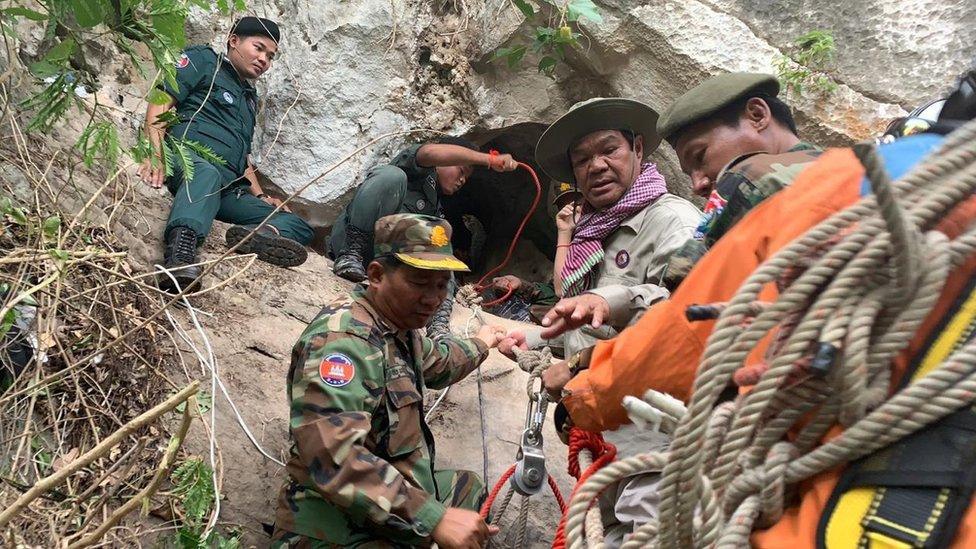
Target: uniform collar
column 246, row 84
column 801, row 146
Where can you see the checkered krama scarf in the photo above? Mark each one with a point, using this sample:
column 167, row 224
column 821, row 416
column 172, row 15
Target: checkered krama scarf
column 586, row 249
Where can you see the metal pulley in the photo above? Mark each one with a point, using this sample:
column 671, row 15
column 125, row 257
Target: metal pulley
column 530, row 464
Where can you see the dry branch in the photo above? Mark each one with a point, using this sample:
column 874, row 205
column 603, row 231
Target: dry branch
column 98, row 451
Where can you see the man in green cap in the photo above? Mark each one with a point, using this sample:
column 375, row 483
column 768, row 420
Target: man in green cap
column 215, row 103
column 628, row 225
column 738, row 142
column 361, row 471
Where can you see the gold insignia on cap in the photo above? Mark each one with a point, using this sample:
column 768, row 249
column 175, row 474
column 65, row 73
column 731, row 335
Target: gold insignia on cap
column 438, row 236
column 563, row 187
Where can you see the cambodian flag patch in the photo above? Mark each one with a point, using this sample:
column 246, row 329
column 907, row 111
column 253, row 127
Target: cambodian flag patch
column 182, row 62
column 337, row 370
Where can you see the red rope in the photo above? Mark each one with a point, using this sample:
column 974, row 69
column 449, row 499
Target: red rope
column 486, row 506
column 480, row 287
column 490, row 501
column 603, row 453
column 492, row 303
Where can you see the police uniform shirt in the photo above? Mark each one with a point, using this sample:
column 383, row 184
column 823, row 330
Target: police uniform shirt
column 227, row 105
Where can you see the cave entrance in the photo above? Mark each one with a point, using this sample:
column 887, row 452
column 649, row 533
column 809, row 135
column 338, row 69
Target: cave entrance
column 486, row 212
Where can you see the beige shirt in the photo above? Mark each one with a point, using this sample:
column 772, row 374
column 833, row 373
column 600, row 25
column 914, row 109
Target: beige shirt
column 636, row 255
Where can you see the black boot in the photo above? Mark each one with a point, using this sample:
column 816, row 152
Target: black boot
column 268, row 245
column 349, row 264
column 439, row 325
column 181, row 250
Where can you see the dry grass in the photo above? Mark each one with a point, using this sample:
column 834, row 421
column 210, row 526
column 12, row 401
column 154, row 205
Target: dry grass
column 99, row 355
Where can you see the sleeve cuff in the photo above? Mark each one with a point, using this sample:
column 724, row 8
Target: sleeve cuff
column 581, row 403
column 428, row 516
column 482, row 348
column 618, row 298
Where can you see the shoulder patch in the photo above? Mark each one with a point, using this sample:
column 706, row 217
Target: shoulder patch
column 337, row 370
column 183, row 61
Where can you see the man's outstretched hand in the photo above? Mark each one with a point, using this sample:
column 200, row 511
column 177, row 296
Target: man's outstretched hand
column 572, row 312
column 491, row 334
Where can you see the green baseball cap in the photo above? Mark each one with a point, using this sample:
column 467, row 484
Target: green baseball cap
column 586, row 117
column 421, row 241
column 711, row 96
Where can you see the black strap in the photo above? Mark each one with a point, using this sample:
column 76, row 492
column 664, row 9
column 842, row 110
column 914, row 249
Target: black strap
column 925, row 481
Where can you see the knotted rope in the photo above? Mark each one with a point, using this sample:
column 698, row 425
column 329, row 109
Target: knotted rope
column 852, row 293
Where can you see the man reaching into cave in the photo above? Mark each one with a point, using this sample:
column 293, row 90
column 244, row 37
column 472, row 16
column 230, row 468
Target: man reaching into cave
column 413, row 183
column 215, row 102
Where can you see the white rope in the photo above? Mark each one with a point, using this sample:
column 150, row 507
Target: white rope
column 209, row 362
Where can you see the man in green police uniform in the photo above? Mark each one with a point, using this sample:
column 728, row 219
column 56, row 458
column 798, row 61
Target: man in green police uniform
column 413, row 183
column 216, row 105
column 361, row 471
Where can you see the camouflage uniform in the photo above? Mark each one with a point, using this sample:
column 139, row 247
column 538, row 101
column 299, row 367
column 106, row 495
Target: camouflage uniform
column 744, row 183
column 361, row 471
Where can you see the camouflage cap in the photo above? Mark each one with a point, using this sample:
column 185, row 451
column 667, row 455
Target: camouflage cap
column 586, row 117
column 421, row 241
column 711, row 96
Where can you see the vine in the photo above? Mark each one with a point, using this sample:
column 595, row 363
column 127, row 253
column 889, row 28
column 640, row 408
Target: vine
column 555, row 29
column 808, row 63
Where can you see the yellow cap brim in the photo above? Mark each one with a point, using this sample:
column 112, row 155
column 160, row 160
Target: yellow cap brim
column 433, row 262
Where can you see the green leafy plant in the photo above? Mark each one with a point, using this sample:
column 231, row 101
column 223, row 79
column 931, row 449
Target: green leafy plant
column 149, row 32
column 193, row 485
column 99, row 140
column 808, row 63
column 555, row 30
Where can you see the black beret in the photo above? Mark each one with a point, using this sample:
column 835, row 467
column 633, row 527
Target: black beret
column 257, row 26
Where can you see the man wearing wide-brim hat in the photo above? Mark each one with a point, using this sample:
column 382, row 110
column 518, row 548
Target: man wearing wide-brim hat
column 628, row 223
column 361, row 470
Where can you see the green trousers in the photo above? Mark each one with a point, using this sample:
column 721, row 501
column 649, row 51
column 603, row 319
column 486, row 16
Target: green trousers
column 457, row 488
column 215, row 192
column 380, row 194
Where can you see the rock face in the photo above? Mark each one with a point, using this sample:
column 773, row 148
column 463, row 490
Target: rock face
column 353, row 71
column 357, row 74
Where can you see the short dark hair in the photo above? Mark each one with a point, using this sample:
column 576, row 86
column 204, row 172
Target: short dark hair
column 389, row 262
column 459, row 141
column 731, row 114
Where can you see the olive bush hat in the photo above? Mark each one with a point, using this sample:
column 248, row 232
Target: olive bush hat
column 421, row 241
column 585, row 117
column 711, row 96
